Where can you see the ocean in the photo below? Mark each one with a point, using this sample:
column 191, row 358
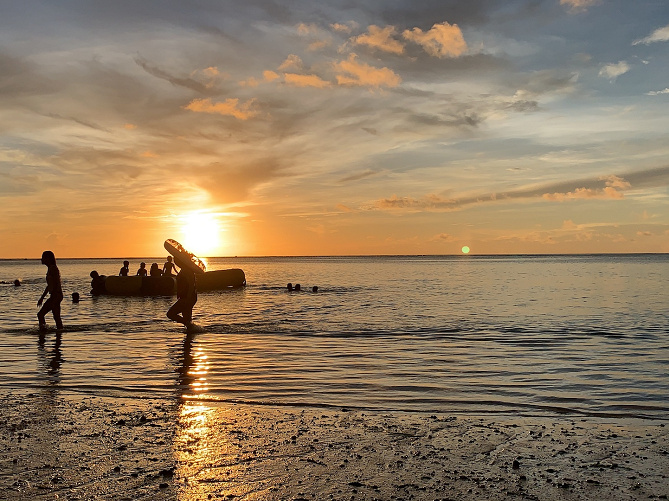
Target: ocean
column 534, row 335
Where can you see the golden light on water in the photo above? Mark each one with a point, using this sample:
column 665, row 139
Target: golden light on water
column 465, row 249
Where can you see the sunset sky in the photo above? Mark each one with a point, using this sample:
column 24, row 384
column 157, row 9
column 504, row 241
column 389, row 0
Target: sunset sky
column 308, row 127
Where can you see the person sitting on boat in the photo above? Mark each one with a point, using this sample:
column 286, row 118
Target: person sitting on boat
column 142, row 270
column 123, row 272
column 169, row 266
column 98, row 283
column 155, row 270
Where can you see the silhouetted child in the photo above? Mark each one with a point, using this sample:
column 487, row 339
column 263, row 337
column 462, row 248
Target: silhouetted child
column 186, row 297
column 55, row 290
column 123, row 272
column 169, row 266
column 142, row 270
column 98, row 283
column 155, row 270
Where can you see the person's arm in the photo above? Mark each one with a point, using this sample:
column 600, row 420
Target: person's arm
column 46, row 290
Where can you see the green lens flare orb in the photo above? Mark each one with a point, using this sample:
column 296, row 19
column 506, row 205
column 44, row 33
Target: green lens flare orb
column 465, row 250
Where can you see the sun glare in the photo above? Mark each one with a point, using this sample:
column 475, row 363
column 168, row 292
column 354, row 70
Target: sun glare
column 201, row 234
column 465, row 250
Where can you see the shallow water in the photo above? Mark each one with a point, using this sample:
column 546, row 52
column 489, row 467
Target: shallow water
column 542, row 334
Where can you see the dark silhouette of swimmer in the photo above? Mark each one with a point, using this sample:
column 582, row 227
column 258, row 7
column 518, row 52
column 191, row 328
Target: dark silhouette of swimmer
column 55, row 290
column 123, row 272
column 17, row 283
column 314, row 288
column 155, row 270
column 298, row 287
column 142, row 270
column 289, row 287
column 75, row 297
column 182, row 310
column 98, row 283
column 169, row 266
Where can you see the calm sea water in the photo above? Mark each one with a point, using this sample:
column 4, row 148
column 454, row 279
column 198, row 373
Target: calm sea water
column 542, row 334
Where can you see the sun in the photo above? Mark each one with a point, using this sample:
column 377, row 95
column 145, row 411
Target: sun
column 465, row 250
column 201, row 233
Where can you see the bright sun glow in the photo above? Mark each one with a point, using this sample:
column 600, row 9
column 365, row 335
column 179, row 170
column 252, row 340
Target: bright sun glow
column 465, row 250
column 202, row 234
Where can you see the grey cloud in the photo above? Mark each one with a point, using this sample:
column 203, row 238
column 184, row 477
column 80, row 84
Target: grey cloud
column 358, row 176
column 639, row 179
column 186, row 82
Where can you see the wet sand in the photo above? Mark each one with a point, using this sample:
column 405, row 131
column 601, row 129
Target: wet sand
column 58, row 445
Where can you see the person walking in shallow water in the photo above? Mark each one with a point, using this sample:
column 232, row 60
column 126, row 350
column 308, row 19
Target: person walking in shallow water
column 55, row 290
column 186, row 297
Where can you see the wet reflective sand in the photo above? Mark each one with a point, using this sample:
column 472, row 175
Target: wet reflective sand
column 58, row 444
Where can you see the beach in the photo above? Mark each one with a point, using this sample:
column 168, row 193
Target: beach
column 69, row 446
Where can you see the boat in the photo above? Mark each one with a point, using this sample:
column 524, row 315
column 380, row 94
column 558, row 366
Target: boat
column 166, row 285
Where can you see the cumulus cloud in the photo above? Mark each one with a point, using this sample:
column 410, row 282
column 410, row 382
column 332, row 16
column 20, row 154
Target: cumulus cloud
column 292, row 62
column 306, row 80
column 352, row 72
column 230, row 107
column 381, row 39
column 659, row 35
column 613, row 71
column 658, row 92
column 344, row 27
column 578, row 5
column 270, row 75
column 442, row 40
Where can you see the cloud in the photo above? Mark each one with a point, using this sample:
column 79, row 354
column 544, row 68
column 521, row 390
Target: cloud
column 659, row 35
column 442, row 40
column 270, row 75
column 579, row 5
column 358, row 176
column 188, row 83
column 306, row 81
column 658, row 92
column 351, row 72
column 344, row 27
column 381, row 39
column 613, row 71
column 292, row 62
column 228, row 107
column 606, row 187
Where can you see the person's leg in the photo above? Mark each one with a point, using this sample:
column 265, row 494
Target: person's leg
column 56, row 314
column 41, row 314
column 173, row 312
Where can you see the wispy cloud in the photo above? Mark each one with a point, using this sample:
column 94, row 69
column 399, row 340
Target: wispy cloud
column 306, row 81
column 659, row 35
column 229, row 107
column 579, row 5
column 658, row 92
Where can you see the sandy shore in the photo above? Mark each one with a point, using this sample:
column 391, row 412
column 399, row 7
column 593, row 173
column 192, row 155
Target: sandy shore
column 60, row 446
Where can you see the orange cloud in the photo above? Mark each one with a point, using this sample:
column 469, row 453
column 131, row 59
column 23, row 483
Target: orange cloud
column 351, row 72
column 306, row 80
column 270, row 76
column 292, row 62
column 443, row 40
column 129, row 126
column 610, row 191
column 381, row 39
column 228, row 107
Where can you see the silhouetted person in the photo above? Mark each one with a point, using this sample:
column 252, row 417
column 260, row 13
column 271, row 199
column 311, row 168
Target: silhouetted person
column 98, row 283
column 155, row 270
column 142, row 270
column 314, row 288
column 55, row 290
column 182, row 310
column 75, row 297
column 169, row 266
column 123, row 272
column 298, row 288
column 17, row 283
column 289, row 287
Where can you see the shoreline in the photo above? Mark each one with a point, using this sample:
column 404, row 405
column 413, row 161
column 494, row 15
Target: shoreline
column 84, row 447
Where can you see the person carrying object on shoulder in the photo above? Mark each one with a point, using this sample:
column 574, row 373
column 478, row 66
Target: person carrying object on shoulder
column 182, row 310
